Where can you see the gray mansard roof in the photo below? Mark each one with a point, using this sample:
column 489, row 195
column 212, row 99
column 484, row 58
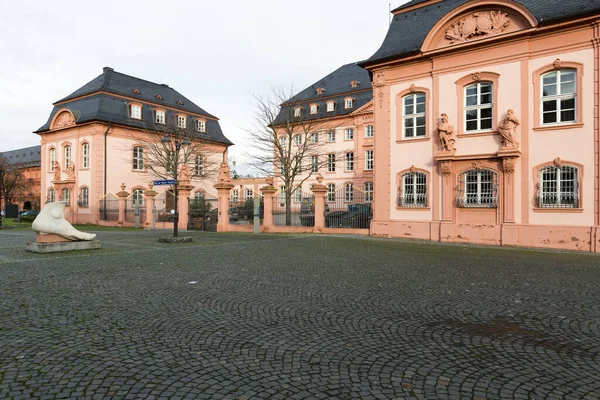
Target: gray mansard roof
column 408, row 30
column 337, row 86
column 100, row 100
column 25, row 157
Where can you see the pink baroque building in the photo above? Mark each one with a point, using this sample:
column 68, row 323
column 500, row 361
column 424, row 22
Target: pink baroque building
column 487, row 121
column 93, row 148
column 340, row 108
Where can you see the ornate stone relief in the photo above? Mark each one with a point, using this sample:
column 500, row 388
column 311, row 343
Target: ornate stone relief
column 477, row 26
column 445, row 134
column 508, row 130
column 71, row 171
column 476, row 165
column 413, row 169
column 509, row 168
column 413, row 88
column 446, row 168
column 557, row 63
column 379, row 82
column 56, row 170
column 64, row 119
column 476, row 76
column 557, row 162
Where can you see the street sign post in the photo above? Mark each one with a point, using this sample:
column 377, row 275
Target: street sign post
column 164, row 182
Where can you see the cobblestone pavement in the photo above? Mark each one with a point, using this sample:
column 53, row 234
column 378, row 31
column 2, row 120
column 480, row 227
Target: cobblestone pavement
column 240, row 316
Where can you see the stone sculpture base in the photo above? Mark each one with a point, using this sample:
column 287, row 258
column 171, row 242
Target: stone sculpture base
column 52, row 247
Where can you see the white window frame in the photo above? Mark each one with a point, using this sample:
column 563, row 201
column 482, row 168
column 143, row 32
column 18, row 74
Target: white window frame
column 369, row 131
column 314, row 163
column 137, row 195
column 314, row 108
column 485, row 193
column 138, row 158
column 349, row 133
column 331, row 136
column 348, row 103
column 85, row 196
column 249, row 193
column 136, row 111
column 85, row 155
column 414, row 190
column 68, row 153
column 282, row 194
column 559, row 97
column 159, row 117
column 414, row 115
column 283, row 141
column 298, row 194
column 298, row 140
column 368, row 191
column 297, row 112
column 314, row 138
column 181, row 121
column 52, row 157
column 235, row 195
column 201, row 125
column 349, row 158
column 330, row 106
column 330, row 162
column 479, row 106
column 199, row 166
column 369, row 160
column 66, row 195
column 331, row 192
column 560, row 196
column 349, row 192
column 51, row 195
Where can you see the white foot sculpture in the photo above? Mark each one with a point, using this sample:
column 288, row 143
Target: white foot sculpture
column 51, row 220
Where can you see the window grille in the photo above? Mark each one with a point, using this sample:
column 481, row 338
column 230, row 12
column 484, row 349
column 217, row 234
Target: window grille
column 558, row 187
column 477, row 189
column 413, row 188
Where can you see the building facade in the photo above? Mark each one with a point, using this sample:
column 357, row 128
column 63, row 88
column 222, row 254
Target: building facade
column 339, row 109
column 95, row 145
column 487, row 121
column 25, row 162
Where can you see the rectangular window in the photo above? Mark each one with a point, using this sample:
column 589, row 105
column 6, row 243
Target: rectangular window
column 349, row 134
column 297, row 112
column 201, row 126
column 348, row 103
column 368, row 192
column 331, row 192
column 414, row 115
column 559, row 90
column 51, row 196
column 283, row 141
column 298, row 139
column 314, row 138
column 350, row 161
column 559, row 187
column 52, row 157
column 413, row 190
column 181, row 121
column 85, row 198
column 314, row 108
column 478, row 188
column 136, row 112
column 478, row 107
column 67, row 156
column 331, row 136
column 369, row 160
column 235, row 196
column 330, row 106
column 138, row 158
column 282, row 194
column 298, row 195
column 314, row 162
column 160, row 117
column 330, row 162
column 199, row 167
column 369, row 131
column 349, row 192
column 249, row 193
column 85, row 155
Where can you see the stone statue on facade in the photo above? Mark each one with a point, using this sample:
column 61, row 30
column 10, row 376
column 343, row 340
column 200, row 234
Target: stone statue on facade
column 71, row 171
column 445, row 134
column 508, row 128
column 56, row 169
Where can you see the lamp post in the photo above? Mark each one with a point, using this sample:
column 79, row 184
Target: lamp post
column 175, row 161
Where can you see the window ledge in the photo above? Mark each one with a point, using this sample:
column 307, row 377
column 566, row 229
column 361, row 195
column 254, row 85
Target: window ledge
column 139, row 170
column 476, row 134
column 413, row 208
column 557, row 127
column 558, row 210
column 410, row 140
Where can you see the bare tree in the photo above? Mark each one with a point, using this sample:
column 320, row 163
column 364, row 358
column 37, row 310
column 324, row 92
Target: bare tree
column 283, row 143
column 12, row 182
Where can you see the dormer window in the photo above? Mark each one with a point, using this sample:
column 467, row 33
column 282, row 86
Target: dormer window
column 314, row 108
column 159, row 97
column 201, row 125
column 181, row 121
column 348, row 102
column 330, row 106
column 136, row 111
column 297, row 111
column 320, row 90
column 355, row 83
column 160, row 117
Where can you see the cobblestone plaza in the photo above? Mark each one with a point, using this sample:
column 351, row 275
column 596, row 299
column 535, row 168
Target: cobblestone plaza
column 240, row 316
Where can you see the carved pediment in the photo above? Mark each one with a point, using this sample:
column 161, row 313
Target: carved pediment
column 63, row 119
column 469, row 24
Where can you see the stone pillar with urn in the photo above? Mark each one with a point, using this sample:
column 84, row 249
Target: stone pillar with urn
column 122, row 195
column 320, row 191
column 268, row 192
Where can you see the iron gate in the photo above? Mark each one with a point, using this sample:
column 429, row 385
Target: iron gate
column 203, row 214
column 349, row 208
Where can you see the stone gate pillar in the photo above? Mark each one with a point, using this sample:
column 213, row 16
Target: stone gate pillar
column 122, row 195
column 149, row 196
column 268, row 192
column 319, row 190
column 183, row 206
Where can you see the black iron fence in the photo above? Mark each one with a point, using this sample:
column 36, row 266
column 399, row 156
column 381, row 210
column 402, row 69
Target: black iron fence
column 301, row 209
column 203, row 214
column 349, row 208
column 109, row 208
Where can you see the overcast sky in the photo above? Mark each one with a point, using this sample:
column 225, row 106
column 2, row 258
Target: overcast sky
column 216, row 53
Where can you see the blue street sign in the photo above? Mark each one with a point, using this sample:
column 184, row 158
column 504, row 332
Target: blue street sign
column 164, row 182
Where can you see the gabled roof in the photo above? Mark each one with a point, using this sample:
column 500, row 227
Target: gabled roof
column 26, row 157
column 100, row 100
column 118, row 83
column 338, row 86
column 408, row 30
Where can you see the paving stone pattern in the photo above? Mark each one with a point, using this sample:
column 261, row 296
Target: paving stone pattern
column 240, row 316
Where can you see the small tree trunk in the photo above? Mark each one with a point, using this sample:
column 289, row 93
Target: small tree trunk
column 288, row 208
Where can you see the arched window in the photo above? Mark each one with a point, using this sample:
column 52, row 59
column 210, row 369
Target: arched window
column 138, row 158
column 368, row 192
column 66, row 196
column 138, row 197
column 477, row 188
column 199, row 195
column 558, row 187
column 331, row 192
column 51, row 196
column 85, row 155
column 84, row 197
column 412, row 190
column 67, row 156
column 559, row 91
column 479, row 106
column 51, row 158
column 349, row 192
column 414, row 115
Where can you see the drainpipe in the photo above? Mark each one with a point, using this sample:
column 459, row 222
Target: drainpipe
column 105, row 167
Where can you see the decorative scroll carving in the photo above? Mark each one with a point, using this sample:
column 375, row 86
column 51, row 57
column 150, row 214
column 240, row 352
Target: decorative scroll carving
column 557, row 63
column 477, row 26
column 64, row 119
column 413, row 88
column 413, row 169
column 446, row 168
column 476, row 165
column 508, row 130
column 445, row 134
column 509, row 168
column 380, row 97
column 476, row 76
column 558, row 162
